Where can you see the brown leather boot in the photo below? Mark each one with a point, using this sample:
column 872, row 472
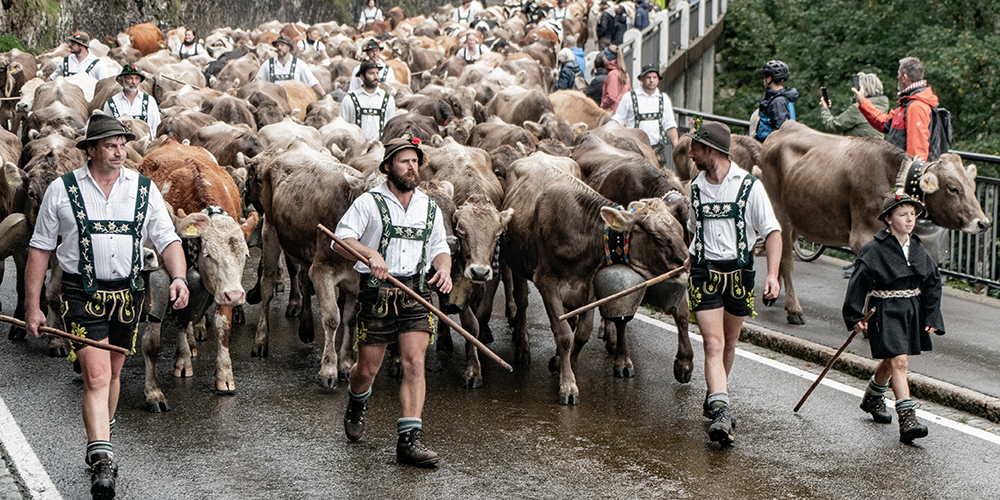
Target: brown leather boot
column 909, row 427
column 875, row 404
column 102, row 479
column 354, row 419
column 410, row 451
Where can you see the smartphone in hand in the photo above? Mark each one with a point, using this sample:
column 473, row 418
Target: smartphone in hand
column 826, row 97
column 857, row 81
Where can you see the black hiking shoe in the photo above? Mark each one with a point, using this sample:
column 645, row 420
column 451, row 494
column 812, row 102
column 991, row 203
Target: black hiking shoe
column 354, row 419
column 721, row 430
column 102, row 479
column 410, row 451
column 909, row 427
column 875, row 404
column 707, row 412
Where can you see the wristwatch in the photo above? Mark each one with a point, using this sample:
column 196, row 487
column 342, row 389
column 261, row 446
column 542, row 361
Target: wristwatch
column 183, row 279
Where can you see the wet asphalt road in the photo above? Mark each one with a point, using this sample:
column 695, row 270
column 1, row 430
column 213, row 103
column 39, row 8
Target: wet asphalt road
column 281, row 435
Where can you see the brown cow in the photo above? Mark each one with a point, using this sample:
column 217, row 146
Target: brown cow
column 627, row 139
column 516, row 105
column 236, row 73
column 16, row 69
column 184, row 125
column 418, row 125
column 206, row 202
column 58, row 103
column 555, row 239
column 495, row 133
column 225, row 141
column 553, row 126
column 829, row 189
column 578, row 108
column 282, row 134
column 299, row 95
column 322, row 112
column 145, row 37
column 745, row 152
column 231, row 110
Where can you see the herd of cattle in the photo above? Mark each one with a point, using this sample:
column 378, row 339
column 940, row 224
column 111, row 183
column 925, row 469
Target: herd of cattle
column 521, row 173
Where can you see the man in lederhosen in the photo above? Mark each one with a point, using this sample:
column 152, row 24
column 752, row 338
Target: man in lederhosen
column 133, row 102
column 96, row 218
column 368, row 107
column 81, row 60
column 651, row 111
column 399, row 229
column 285, row 66
column 373, row 51
column 729, row 208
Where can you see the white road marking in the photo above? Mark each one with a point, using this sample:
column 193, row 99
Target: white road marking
column 926, row 415
column 27, row 465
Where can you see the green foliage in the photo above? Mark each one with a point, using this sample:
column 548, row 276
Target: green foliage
column 8, row 42
column 824, row 43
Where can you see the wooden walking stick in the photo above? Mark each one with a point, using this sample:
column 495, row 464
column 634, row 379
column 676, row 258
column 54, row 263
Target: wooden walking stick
column 416, row 296
column 609, row 298
column 829, row 364
column 59, row 333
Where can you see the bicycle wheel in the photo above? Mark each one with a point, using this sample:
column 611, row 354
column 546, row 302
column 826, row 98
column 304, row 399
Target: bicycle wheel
column 807, row 251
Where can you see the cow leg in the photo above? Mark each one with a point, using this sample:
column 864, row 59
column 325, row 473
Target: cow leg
column 785, row 269
column 684, row 362
column 568, row 343
column 610, row 336
column 347, row 333
column 444, row 341
column 198, row 333
column 508, row 294
column 224, row 383
column 295, row 292
column 20, row 261
column 155, row 400
column 522, row 345
column 623, row 360
column 472, row 377
column 238, row 317
column 269, row 256
column 484, row 311
column 58, row 347
column 183, row 351
column 306, row 328
column 322, row 278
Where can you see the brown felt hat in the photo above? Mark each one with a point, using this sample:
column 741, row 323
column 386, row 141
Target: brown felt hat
column 282, row 39
column 893, row 200
column 714, row 135
column 101, row 126
column 80, row 37
column 396, row 145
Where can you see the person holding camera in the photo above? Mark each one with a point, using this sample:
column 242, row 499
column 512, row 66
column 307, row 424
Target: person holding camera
column 851, row 122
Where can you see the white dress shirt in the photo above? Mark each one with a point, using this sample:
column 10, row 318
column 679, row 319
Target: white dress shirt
column 363, row 223
column 625, row 115
column 304, row 44
column 369, row 15
column 302, row 72
column 369, row 123
column 134, row 109
column 112, row 253
column 99, row 72
column 720, row 234
column 385, row 74
column 465, row 54
column 186, row 51
column 464, row 16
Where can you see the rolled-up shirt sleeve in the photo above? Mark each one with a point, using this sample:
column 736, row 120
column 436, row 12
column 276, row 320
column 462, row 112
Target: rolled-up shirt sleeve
column 354, row 221
column 159, row 226
column 46, row 233
column 760, row 214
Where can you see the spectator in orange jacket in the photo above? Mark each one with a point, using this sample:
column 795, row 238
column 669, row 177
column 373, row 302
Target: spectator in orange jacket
column 909, row 124
column 616, row 84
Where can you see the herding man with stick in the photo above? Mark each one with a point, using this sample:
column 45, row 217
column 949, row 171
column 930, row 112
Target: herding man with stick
column 729, row 208
column 400, row 231
column 103, row 214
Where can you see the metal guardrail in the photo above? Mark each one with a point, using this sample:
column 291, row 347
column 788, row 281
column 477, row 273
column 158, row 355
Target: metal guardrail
column 670, row 32
column 971, row 257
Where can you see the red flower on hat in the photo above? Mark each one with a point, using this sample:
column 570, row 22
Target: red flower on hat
column 415, row 141
column 898, row 197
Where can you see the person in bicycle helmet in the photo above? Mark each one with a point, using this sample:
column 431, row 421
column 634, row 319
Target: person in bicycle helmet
column 778, row 102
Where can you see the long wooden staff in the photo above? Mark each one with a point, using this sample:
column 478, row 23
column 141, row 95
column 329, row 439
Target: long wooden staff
column 640, row 286
column 416, row 296
column 834, row 358
column 180, row 81
column 59, row 333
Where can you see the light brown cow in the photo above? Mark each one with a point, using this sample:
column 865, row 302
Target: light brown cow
column 555, row 239
column 225, row 141
column 146, row 38
column 495, row 133
column 515, row 105
column 299, row 97
column 627, row 139
column 282, row 134
column 829, row 189
column 576, row 107
column 206, row 202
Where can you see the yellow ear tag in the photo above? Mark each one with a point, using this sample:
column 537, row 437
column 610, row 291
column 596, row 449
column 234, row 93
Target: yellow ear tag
column 615, row 223
column 191, row 230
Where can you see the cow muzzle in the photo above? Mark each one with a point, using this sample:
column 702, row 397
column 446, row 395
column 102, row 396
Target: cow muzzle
column 479, row 273
column 978, row 226
column 234, row 298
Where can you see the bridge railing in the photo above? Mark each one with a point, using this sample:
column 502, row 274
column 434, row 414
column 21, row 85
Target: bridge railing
column 670, row 32
column 972, row 257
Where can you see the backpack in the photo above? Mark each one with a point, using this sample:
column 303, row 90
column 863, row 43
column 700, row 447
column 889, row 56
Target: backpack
column 940, row 140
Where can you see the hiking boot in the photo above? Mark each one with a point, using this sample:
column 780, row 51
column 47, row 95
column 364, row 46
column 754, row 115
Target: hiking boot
column 875, row 404
column 354, row 419
column 721, row 430
column 410, row 451
column 707, row 412
column 102, row 479
column 909, row 427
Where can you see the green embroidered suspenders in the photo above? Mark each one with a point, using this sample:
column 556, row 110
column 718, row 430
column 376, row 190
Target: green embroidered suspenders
column 379, row 112
column 66, row 66
column 389, row 231
column 735, row 210
column 642, row 117
column 89, row 227
column 145, row 108
column 280, row 78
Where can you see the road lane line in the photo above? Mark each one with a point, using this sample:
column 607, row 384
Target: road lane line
column 926, row 415
column 25, row 463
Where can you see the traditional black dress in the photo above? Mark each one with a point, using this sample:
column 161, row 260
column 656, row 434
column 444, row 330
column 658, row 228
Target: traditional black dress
column 907, row 295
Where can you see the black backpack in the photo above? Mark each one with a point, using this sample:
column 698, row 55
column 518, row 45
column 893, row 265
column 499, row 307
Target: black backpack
column 940, row 140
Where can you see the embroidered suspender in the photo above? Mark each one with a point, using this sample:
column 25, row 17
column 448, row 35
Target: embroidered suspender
column 145, row 107
column 390, row 231
column 735, row 210
column 280, row 78
column 642, row 117
column 379, row 112
column 88, row 227
column 66, row 66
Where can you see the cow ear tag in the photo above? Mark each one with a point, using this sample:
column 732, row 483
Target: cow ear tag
column 191, row 231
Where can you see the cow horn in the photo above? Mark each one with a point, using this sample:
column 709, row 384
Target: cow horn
column 14, row 235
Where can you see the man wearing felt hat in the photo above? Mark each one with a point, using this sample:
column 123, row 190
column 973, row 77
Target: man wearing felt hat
column 96, row 219
column 285, row 66
column 729, row 209
column 651, row 111
column 373, row 51
column 895, row 275
column 401, row 232
column 368, row 107
column 133, row 102
column 80, row 60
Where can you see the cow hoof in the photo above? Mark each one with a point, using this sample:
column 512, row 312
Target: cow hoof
column 306, row 334
column 293, row 310
column 279, row 287
column 682, row 371
column 344, row 375
column 253, row 296
column 624, row 372
column 200, row 334
column 194, row 352
column 58, row 351
column 328, row 382
column 16, row 334
column 486, row 335
column 553, row 364
column 259, row 351
column 157, row 406
column 184, row 372
column 472, row 382
column 569, row 399
column 225, row 388
column 238, row 317
column 395, row 370
column 795, row 319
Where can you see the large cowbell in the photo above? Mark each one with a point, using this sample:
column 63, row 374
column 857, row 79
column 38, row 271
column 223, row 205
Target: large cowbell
column 613, row 279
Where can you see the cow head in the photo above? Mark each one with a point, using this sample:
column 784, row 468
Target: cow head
column 478, row 226
column 657, row 239
column 216, row 244
column 950, row 195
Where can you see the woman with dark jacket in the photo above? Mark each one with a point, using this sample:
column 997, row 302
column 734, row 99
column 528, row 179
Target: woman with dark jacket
column 569, row 71
column 596, row 85
column 621, row 26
